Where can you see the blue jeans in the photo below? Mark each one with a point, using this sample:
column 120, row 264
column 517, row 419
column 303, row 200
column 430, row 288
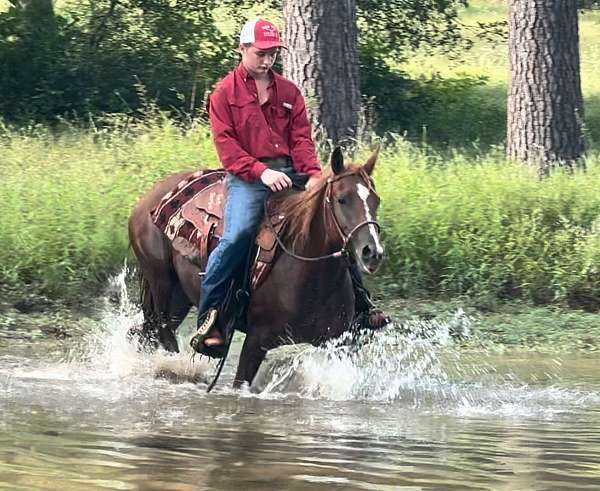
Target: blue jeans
column 243, row 214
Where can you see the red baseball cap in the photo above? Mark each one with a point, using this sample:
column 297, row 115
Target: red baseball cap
column 262, row 34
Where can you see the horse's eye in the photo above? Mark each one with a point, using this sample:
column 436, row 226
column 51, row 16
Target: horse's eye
column 341, row 201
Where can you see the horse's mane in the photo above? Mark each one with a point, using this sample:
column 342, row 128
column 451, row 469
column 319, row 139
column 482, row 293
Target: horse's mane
column 301, row 209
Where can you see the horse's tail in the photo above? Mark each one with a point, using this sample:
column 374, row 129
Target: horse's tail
column 145, row 294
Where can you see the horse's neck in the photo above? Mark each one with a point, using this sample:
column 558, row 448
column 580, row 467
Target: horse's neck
column 321, row 278
column 322, row 242
column 322, row 239
column 311, row 282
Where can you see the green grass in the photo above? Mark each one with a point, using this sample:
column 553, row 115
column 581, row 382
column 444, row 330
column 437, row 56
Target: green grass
column 540, row 329
column 65, row 199
column 458, row 223
column 453, row 225
column 512, row 326
column 482, row 227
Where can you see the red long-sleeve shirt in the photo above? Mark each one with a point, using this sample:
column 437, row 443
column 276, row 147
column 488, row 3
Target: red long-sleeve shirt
column 244, row 132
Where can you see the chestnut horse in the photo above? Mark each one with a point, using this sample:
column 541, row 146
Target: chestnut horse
column 301, row 300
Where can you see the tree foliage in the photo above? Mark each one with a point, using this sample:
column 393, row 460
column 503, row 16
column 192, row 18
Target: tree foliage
column 395, row 25
column 94, row 55
column 101, row 49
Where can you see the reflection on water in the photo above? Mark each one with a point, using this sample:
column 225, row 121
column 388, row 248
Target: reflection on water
column 405, row 412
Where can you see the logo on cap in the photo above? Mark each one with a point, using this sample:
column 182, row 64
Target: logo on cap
column 270, row 31
column 262, row 34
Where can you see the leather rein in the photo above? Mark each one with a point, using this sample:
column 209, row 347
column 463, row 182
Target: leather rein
column 328, row 203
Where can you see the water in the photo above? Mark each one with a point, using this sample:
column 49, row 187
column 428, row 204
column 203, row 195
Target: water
column 409, row 411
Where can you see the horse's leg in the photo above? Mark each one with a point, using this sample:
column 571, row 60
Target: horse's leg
column 146, row 334
column 158, row 288
column 179, row 306
column 162, row 311
column 163, row 288
column 251, row 356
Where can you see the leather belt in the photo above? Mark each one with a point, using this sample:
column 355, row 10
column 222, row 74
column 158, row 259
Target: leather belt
column 277, row 162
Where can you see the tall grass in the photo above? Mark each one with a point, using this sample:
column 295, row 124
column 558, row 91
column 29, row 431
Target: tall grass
column 488, row 228
column 64, row 200
column 452, row 225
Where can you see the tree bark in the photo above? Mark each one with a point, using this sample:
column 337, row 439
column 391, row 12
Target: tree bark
column 545, row 103
column 40, row 18
column 322, row 37
column 40, row 12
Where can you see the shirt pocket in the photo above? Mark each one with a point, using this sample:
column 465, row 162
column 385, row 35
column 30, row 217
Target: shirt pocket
column 245, row 116
column 282, row 118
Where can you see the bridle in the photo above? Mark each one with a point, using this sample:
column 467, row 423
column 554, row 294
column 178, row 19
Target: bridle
column 328, row 204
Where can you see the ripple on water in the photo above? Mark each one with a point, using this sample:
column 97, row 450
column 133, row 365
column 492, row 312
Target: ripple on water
column 406, row 411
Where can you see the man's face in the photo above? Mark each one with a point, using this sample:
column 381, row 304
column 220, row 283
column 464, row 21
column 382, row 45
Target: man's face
column 258, row 61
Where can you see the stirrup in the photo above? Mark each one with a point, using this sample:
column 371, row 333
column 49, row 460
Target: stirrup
column 197, row 341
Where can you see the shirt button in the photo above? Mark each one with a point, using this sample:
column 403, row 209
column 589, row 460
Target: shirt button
column 277, row 145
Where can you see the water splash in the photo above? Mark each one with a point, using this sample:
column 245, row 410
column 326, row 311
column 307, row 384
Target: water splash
column 397, row 363
column 416, row 365
column 107, row 353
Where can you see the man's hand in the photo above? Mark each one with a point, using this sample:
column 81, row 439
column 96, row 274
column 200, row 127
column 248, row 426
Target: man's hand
column 275, row 180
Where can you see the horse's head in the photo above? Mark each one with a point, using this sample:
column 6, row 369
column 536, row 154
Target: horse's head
column 354, row 204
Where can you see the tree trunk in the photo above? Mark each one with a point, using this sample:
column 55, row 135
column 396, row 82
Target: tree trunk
column 43, row 7
column 545, row 104
column 40, row 13
column 322, row 37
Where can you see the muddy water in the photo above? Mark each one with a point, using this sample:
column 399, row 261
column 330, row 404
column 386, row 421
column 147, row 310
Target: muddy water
column 406, row 412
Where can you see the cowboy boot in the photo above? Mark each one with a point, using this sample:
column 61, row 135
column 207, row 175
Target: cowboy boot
column 367, row 314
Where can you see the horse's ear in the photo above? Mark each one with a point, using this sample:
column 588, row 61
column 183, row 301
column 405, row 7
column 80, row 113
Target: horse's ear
column 337, row 161
column 370, row 165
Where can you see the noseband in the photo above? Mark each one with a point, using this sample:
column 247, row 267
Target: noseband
column 328, row 203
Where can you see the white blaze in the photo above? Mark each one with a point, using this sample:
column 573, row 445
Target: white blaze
column 363, row 193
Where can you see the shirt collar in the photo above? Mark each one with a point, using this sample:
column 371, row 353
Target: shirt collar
column 246, row 75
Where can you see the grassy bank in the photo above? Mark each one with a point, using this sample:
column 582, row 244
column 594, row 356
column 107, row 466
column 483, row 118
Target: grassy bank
column 64, row 200
column 484, row 228
column 452, row 225
column 463, row 230
column 512, row 326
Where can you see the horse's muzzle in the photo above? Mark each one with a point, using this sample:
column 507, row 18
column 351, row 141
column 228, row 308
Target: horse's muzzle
column 371, row 257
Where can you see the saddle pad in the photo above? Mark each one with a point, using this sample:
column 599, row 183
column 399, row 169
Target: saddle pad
column 194, row 210
column 167, row 215
column 206, row 207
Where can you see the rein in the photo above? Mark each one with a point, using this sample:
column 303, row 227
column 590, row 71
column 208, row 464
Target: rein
column 343, row 252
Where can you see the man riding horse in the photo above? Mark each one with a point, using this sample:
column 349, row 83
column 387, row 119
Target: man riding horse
column 262, row 136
